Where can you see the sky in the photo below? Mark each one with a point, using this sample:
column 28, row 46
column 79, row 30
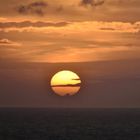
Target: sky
column 97, row 39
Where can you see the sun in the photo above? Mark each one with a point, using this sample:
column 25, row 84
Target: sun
column 65, row 83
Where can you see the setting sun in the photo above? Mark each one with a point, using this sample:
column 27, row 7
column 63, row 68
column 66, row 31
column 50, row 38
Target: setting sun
column 65, row 83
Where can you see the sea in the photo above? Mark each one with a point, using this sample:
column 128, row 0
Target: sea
column 69, row 124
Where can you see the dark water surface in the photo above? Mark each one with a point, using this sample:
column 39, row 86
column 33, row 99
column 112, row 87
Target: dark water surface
column 69, row 124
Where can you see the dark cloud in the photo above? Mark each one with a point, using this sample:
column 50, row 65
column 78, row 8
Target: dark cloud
column 31, row 24
column 36, row 8
column 68, row 85
column 76, row 79
column 92, row 3
column 108, row 29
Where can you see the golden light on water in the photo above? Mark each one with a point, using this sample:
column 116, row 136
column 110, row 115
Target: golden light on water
column 65, row 83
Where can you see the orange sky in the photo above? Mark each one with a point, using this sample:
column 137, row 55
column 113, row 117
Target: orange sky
column 69, row 31
column 97, row 39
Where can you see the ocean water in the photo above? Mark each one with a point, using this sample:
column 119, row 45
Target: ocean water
column 69, row 124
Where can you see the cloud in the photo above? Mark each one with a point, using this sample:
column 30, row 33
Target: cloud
column 77, row 49
column 92, row 3
column 68, row 85
column 2, row 19
column 5, row 41
column 39, row 8
column 73, row 42
column 121, row 27
column 36, row 8
column 31, row 24
column 107, row 29
column 70, row 27
column 76, row 79
column 71, row 10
